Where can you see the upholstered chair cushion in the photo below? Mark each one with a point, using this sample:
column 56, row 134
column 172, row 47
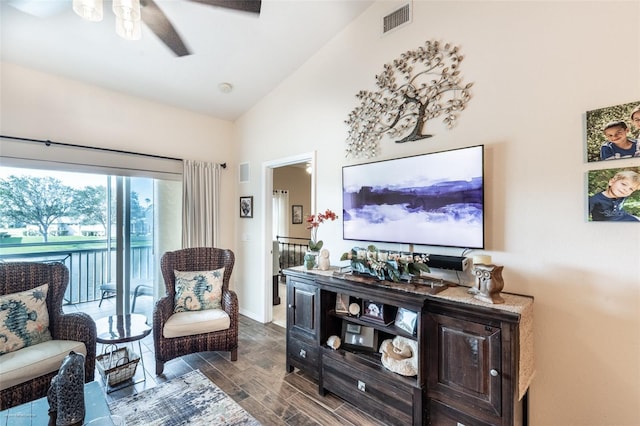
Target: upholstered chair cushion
column 198, row 290
column 196, row 322
column 24, row 319
column 35, row 361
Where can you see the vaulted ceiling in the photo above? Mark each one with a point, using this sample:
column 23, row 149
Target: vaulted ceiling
column 254, row 53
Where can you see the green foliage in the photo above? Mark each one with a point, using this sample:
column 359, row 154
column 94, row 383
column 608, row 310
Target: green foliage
column 35, row 200
column 383, row 267
column 90, row 205
column 598, row 118
column 44, row 201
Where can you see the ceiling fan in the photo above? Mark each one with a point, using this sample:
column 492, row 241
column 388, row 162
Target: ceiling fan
column 149, row 12
column 160, row 25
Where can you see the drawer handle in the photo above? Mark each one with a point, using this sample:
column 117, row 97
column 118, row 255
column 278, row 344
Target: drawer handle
column 494, row 372
column 303, row 353
column 362, row 386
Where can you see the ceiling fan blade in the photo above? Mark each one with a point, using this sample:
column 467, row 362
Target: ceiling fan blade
column 252, row 6
column 158, row 22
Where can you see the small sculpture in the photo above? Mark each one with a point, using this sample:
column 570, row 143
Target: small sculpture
column 334, row 342
column 66, row 393
column 489, row 283
column 400, row 355
column 323, row 260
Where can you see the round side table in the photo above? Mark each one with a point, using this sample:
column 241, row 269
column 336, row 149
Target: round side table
column 116, row 329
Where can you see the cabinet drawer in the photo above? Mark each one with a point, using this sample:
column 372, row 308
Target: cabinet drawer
column 443, row 415
column 304, row 355
column 368, row 389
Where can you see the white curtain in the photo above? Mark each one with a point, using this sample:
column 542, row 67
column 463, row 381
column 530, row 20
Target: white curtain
column 200, row 204
column 280, row 213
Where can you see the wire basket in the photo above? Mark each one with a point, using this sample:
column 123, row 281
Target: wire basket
column 117, row 365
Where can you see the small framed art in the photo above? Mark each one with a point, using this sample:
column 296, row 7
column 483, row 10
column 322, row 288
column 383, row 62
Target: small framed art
column 296, row 214
column 342, row 303
column 406, row 320
column 378, row 312
column 246, row 206
column 359, row 338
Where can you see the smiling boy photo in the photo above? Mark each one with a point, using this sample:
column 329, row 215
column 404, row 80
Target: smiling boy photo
column 610, row 195
column 609, row 135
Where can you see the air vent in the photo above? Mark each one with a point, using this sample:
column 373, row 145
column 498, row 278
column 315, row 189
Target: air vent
column 396, row 18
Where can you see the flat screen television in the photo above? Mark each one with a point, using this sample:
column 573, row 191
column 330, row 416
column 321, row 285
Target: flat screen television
column 434, row 199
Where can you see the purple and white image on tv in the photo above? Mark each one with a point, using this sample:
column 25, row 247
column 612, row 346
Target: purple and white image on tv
column 432, row 199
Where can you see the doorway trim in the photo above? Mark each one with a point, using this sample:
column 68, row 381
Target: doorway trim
column 267, row 196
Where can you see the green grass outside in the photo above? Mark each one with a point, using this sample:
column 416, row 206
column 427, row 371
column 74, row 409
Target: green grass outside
column 75, row 243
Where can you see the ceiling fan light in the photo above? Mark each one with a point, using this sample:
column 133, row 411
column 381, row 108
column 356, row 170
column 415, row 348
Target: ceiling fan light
column 127, row 9
column 91, row 10
column 127, row 29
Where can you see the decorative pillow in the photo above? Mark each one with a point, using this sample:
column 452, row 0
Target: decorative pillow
column 198, row 290
column 24, row 319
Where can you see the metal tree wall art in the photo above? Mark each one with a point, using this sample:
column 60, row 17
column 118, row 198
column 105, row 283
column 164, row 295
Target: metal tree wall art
column 422, row 84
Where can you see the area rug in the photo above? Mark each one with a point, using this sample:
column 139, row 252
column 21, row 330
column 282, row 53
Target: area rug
column 191, row 399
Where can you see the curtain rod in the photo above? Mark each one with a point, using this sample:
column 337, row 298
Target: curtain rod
column 50, row 142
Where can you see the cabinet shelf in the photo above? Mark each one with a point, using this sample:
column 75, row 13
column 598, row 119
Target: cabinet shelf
column 389, row 329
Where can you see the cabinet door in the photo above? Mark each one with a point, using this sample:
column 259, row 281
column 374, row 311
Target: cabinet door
column 301, row 314
column 465, row 369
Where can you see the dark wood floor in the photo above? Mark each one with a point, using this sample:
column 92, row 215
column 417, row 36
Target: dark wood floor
column 257, row 380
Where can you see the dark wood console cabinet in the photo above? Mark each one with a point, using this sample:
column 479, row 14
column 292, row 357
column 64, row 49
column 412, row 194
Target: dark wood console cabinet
column 469, row 351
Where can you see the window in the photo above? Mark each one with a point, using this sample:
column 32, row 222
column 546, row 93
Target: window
column 74, row 213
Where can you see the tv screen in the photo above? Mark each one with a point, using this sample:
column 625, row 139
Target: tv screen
column 434, row 199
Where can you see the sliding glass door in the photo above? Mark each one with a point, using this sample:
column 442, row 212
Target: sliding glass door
column 110, row 230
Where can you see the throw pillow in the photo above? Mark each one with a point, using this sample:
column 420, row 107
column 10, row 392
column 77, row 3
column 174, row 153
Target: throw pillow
column 198, row 290
column 24, row 319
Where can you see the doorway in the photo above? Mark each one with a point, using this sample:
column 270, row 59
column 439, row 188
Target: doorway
column 296, row 175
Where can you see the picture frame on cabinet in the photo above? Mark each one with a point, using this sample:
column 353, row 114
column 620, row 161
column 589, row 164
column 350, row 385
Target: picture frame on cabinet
column 406, row 320
column 378, row 312
column 365, row 340
column 342, row 303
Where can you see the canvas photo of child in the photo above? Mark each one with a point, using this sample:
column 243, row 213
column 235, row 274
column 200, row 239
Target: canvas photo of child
column 614, row 195
column 612, row 133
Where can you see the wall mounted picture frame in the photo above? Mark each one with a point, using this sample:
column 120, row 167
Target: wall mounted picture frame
column 296, row 214
column 406, row 320
column 616, row 142
column 608, row 196
column 246, row 207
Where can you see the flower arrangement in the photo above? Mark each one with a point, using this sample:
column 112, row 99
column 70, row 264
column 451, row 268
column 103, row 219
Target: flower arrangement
column 384, row 265
column 313, row 223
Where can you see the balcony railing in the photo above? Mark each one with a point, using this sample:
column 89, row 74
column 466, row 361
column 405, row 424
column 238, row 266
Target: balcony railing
column 88, row 268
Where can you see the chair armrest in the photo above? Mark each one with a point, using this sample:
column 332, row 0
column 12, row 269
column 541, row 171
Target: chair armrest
column 79, row 327
column 230, row 305
column 161, row 313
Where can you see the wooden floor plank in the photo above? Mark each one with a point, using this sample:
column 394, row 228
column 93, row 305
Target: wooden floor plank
column 258, row 380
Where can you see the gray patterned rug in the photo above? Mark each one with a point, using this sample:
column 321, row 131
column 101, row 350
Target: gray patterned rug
column 191, row 399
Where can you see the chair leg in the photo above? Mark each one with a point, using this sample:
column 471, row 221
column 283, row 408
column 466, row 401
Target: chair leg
column 234, row 355
column 159, row 367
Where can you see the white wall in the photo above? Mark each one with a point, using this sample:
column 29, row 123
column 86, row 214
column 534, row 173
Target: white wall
column 41, row 106
column 537, row 67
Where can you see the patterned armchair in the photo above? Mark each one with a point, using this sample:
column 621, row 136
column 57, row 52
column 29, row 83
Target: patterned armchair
column 18, row 277
column 187, row 338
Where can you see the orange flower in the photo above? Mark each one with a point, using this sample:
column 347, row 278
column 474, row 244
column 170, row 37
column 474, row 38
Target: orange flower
column 313, row 222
